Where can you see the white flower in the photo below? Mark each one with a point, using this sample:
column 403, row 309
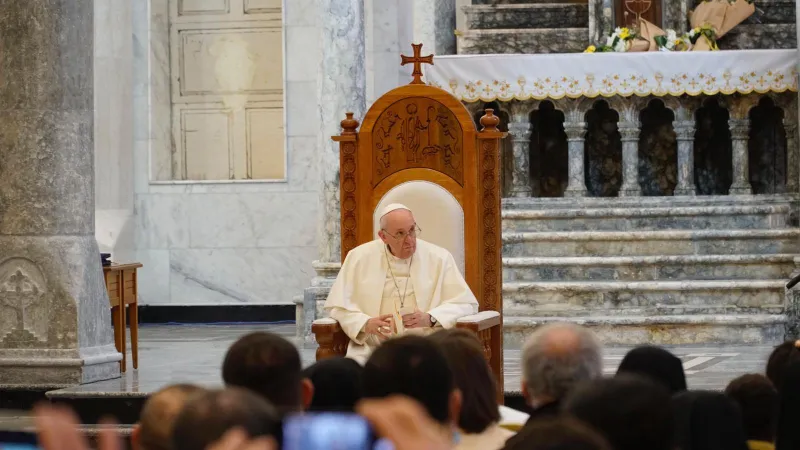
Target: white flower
column 692, row 33
column 672, row 36
column 610, row 41
column 621, row 46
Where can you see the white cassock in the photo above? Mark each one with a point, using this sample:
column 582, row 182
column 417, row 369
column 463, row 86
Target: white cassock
column 366, row 288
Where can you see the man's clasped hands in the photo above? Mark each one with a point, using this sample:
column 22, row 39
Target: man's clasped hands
column 384, row 326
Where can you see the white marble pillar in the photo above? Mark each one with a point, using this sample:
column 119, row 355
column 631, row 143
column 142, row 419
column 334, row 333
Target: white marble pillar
column 520, row 130
column 341, row 88
column 740, row 134
column 792, row 152
column 435, row 25
column 684, row 132
column 629, row 130
column 576, row 131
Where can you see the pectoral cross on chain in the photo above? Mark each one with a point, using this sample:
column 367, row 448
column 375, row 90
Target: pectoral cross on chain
column 417, row 60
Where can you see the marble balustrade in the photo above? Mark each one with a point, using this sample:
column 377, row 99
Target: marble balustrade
column 684, row 126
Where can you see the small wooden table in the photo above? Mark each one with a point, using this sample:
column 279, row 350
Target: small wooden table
column 121, row 283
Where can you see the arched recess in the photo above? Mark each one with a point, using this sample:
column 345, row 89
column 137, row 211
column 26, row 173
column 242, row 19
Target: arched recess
column 602, row 151
column 713, row 161
column 767, row 148
column 549, row 158
column 658, row 150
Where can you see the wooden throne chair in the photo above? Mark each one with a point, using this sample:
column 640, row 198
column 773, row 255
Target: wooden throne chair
column 419, row 146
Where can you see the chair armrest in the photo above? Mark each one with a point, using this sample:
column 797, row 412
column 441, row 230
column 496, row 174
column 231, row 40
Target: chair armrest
column 479, row 322
column 331, row 338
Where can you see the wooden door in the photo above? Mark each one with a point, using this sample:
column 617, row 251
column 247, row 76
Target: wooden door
column 625, row 12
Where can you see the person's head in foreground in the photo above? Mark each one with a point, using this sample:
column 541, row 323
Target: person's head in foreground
column 658, row 364
column 416, row 367
column 780, row 358
column 555, row 358
column 208, row 416
column 758, row 401
column 562, row 433
column 154, row 430
column 269, row 365
column 632, row 412
column 707, row 420
column 788, row 434
column 399, row 230
column 337, row 384
column 473, row 377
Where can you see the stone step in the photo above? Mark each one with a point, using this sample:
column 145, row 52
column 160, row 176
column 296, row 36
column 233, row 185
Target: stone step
column 542, row 40
column 645, row 298
column 528, row 16
column 651, row 243
column 649, row 268
column 647, row 218
column 662, row 330
column 529, row 203
column 523, row 2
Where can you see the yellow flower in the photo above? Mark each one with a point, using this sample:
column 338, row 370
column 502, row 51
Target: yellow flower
column 590, row 49
column 624, row 33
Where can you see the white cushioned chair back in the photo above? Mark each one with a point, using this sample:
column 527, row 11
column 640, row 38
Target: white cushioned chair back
column 437, row 212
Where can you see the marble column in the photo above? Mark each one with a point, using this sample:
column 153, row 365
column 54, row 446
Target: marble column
column 520, row 130
column 684, row 131
column 435, row 25
column 341, row 88
column 740, row 134
column 629, row 130
column 576, row 131
column 55, row 326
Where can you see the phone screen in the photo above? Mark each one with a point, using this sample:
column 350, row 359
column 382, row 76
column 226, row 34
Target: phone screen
column 330, row 431
column 18, row 440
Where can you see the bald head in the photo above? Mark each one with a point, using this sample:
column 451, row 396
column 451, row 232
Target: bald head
column 158, row 416
column 555, row 358
column 398, row 232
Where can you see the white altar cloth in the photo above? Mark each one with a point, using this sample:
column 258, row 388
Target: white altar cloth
column 507, row 77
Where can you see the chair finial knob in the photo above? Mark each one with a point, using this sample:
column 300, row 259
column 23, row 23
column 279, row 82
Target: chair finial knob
column 489, row 121
column 349, row 124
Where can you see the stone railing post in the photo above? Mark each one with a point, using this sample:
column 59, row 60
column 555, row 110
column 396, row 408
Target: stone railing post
column 684, row 132
column 629, row 130
column 739, row 124
column 575, row 129
column 520, row 130
column 740, row 134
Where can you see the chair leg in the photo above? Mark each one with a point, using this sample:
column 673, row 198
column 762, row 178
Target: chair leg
column 122, row 329
column 115, row 323
column 134, row 319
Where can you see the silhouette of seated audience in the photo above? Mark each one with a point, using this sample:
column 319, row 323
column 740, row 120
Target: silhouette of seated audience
column 657, row 364
column 757, row 399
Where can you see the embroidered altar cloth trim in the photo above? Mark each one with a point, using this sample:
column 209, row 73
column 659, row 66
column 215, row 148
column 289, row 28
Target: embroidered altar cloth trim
column 522, row 77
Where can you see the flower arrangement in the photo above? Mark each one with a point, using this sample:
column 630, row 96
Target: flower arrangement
column 671, row 42
column 619, row 41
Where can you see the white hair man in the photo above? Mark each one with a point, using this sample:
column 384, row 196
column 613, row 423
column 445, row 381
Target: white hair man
column 555, row 358
column 397, row 284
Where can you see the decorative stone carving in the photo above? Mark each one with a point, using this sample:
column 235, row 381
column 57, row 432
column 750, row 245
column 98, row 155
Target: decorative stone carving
column 576, row 131
column 23, row 288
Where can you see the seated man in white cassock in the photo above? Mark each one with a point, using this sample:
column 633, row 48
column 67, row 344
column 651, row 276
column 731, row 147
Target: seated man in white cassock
column 397, row 284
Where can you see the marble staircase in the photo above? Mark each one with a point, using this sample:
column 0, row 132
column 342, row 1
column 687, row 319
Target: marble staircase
column 678, row 270
column 514, row 26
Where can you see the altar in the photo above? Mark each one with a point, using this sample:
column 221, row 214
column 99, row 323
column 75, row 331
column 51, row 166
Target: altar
column 666, row 112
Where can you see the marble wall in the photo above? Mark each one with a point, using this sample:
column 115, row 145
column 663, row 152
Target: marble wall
column 239, row 242
column 224, row 242
column 113, row 127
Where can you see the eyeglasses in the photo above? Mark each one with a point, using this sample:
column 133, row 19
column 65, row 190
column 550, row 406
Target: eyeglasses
column 402, row 235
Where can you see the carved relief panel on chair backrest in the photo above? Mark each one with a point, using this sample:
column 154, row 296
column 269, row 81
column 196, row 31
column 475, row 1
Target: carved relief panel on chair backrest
column 417, row 132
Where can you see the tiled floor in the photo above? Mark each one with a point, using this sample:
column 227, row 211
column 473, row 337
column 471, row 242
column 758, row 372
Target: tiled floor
column 180, row 353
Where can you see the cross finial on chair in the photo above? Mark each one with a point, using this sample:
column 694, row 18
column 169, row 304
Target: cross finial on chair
column 417, row 60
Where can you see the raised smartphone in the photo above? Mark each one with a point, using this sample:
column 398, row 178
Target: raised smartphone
column 330, row 431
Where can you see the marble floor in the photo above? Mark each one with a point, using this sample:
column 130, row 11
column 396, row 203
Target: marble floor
column 193, row 353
